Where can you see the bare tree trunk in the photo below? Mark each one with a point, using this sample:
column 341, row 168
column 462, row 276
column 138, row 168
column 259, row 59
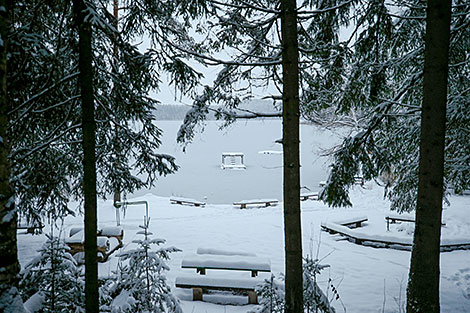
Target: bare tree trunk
column 290, row 118
column 423, row 283
column 117, row 190
column 10, row 300
column 89, row 158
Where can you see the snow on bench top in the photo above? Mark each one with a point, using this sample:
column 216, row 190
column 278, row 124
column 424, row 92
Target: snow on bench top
column 80, row 239
column 212, row 251
column 233, row 153
column 366, row 237
column 111, row 231
column 270, row 152
column 400, row 216
column 306, row 194
column 256, row 201
column 204, row 281
column 247, row 263
column 351, row 220
column 188, row 200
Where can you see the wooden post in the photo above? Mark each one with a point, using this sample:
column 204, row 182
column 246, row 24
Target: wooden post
column 197, row 294
column 252, row 297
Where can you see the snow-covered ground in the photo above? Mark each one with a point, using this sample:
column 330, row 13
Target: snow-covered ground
column 367, row 279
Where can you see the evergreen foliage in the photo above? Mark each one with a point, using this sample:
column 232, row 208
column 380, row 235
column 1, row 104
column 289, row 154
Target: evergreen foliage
column 272, row 293
column 55, row 276
column 44, row 113
column 380, row 84
column 141, row 283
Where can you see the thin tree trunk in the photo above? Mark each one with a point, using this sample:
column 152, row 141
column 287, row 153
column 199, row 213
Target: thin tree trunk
column 10, row 300
column 117, row 190
column 423, row 283
column 290, row 118
column 89, row 158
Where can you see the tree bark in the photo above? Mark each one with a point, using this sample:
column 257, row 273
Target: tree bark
column 89, row 158
column 423, row 283
column 290, row 118
column 10, row 300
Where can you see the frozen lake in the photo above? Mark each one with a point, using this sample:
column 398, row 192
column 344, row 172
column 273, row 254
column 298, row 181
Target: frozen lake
column 201, row 177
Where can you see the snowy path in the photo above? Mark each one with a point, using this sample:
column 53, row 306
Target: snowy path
column 365, row 277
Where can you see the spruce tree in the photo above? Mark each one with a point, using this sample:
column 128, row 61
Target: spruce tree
column 54, row 277
column 141, row 284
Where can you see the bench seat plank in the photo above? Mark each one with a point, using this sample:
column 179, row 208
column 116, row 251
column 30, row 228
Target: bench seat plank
column 222, row 262
column 214, row 283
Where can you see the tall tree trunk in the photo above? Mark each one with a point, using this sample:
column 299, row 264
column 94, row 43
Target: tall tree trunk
column 89, row 158
column 423, row 283
column 290, row 118
column 117, row 190
column 10, row 300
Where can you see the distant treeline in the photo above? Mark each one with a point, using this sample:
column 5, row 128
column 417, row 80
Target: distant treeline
column 172, row 112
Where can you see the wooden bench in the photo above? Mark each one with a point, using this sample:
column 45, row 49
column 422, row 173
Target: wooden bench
column 31, row 228
column 392, row 219
column 185, row 201
column 265, row 202
column 202, row 284
column 226, row 262
column 358, row 180
column 353, row 222
column 223, row 260
column 309, row 195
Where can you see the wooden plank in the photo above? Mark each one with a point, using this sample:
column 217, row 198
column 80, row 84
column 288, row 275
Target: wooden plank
column 186, row 201
column 213, row 283
column 223, row 262
column 267, row 202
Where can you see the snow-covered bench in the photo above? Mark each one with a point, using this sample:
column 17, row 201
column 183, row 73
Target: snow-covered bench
column 352, row 222
column 208, row 258
column 212, row 251
column 186, row 201
column 201, row 284
column 393, row 218
column 309, row 195
column 226, row 262
column 266, row 202
column 30, row 228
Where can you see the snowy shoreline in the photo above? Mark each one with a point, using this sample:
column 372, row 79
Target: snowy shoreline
column 362, row 275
